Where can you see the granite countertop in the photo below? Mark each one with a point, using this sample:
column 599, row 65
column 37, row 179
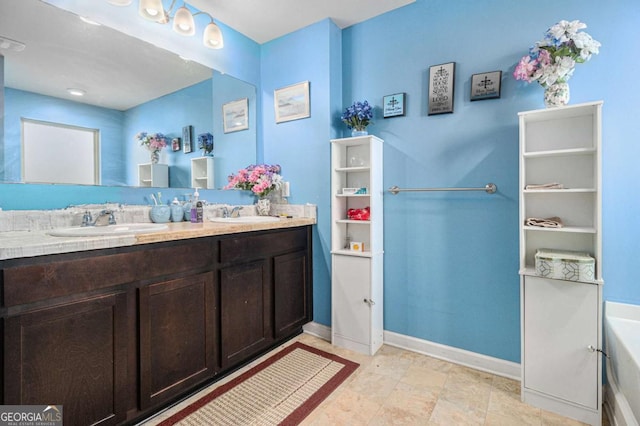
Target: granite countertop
column 29, row 243
column 18, row 244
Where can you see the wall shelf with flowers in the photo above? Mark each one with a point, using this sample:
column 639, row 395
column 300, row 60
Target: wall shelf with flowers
column 551, row 61
column 261, row 180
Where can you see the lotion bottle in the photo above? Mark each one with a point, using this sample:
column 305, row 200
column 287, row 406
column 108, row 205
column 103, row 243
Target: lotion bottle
column 194, row 209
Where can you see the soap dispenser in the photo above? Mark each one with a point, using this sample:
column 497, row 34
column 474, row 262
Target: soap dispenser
column 177, row 214
column 194, row 209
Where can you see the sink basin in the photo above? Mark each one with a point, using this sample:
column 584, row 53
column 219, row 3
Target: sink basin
column 246, row 219
column 101, row 231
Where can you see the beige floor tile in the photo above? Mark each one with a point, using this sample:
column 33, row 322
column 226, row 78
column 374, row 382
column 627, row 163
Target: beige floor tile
column 553, row 419
column 375, row 386
column 419, row 402
column 505, row 408
column 396, row 416
column 419, row 376
column 447, row 413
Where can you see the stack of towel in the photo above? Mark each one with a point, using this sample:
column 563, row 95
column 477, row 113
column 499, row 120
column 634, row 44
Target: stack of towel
column 550, row 222
column 553, row 185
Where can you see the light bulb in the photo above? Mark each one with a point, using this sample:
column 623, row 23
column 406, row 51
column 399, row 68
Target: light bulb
column 212, row 37
column 183, row 22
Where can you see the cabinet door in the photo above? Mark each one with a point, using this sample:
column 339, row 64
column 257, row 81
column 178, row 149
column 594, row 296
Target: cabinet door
column 177, row 337
column 292, row 298
column 72, row 354
column 245, row 305
column 351, row 291
column 560, row 322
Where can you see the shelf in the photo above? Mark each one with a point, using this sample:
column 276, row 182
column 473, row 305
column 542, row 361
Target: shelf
column 357, row 222
column 352, row 195
column 560, row 152
column 530, row 271
column 353, row 169
column 575, row 229
column 347, row 252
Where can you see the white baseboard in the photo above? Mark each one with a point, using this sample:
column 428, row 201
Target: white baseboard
column 474, row 360
column 318, row 330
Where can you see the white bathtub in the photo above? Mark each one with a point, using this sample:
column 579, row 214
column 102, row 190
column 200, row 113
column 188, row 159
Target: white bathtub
column 622, row 337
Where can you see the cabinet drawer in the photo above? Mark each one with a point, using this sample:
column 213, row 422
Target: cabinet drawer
column 49, row 279
column 31, row 283
column 248, row 247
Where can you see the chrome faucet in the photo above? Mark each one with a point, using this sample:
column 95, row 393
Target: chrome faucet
column 87, row 220
column 235, row 212
column 105, row 217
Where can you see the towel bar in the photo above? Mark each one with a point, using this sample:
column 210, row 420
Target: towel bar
column 489, row 188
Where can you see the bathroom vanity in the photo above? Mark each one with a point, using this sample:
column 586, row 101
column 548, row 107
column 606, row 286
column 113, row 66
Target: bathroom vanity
column 115, row 334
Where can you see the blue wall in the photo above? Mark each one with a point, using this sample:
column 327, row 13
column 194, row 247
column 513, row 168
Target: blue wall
column 451, row 260
column 301, row 147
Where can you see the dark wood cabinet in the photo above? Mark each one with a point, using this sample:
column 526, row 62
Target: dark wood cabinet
column 73, row 354
column 177, row 336
column 116, row 334
column 245, row 307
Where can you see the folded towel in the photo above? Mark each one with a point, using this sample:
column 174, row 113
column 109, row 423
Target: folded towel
column 553, row 185
column 550, row 222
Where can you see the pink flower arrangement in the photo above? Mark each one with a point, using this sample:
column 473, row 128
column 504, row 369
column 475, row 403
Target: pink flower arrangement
column 260, row 179
column 153, row 141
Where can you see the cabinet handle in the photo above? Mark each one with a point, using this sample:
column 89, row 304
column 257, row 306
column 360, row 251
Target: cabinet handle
column 369, row 302
column 591, row 348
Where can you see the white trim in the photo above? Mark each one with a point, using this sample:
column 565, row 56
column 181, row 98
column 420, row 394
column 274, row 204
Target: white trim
column 474, row 360
column 318, row 330
column 470, row 359
column 615, row 403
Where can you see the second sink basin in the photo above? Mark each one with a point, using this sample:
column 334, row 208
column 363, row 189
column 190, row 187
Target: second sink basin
column 245, row 219
column 102, row 231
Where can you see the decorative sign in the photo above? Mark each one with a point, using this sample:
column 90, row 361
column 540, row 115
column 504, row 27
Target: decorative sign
column 394, row 105
column 485, row 85
column 441, row 85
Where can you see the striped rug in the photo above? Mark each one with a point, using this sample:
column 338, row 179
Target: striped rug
column 281, row 390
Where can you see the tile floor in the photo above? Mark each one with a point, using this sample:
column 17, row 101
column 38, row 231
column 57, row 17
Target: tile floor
column 399, row 387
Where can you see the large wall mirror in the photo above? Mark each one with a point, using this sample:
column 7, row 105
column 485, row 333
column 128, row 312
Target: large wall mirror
column 129, row 86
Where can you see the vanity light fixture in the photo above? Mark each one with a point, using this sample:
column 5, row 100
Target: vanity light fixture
column 183, row 22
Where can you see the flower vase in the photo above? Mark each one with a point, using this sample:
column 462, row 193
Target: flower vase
column 556, row 95
column 360, row 132
column 263, row 206
column 155, row 157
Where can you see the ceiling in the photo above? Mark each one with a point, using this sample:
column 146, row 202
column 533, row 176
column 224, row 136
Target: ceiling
column 64, row 52
column 265, row 20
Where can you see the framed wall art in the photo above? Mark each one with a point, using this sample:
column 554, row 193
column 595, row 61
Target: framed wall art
column 175, row 144
column 292, row 102
column 441, row 86
column 235, row 115
column 485, row 85
column 394, row 105
column 187, row 133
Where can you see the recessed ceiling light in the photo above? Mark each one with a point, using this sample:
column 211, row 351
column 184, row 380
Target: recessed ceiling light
column 76, row 92
column 90, row 21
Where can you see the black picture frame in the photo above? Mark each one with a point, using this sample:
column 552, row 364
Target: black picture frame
column 394, row 105
column 486, row 85
column 441, row 88
column 176, row 144
column 187, row 136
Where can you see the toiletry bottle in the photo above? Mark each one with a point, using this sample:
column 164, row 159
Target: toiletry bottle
column 194, row 209
column 186, row 208
column 199, row 212
column 177, row 214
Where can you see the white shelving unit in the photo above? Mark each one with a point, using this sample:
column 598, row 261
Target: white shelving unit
column 357, row 276
column 202, row 173
column 561, row 320
column 153, row 175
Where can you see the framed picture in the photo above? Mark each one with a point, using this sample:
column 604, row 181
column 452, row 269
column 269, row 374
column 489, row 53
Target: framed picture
column 485, row 85
column 235, row 115
column 187, row 133
column 292, row 102
column 394, row 105
column 175, row 144
column 441, row 85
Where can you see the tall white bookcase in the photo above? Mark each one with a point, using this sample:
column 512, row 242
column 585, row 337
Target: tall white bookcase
column 357, row 276
column 560, row 319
